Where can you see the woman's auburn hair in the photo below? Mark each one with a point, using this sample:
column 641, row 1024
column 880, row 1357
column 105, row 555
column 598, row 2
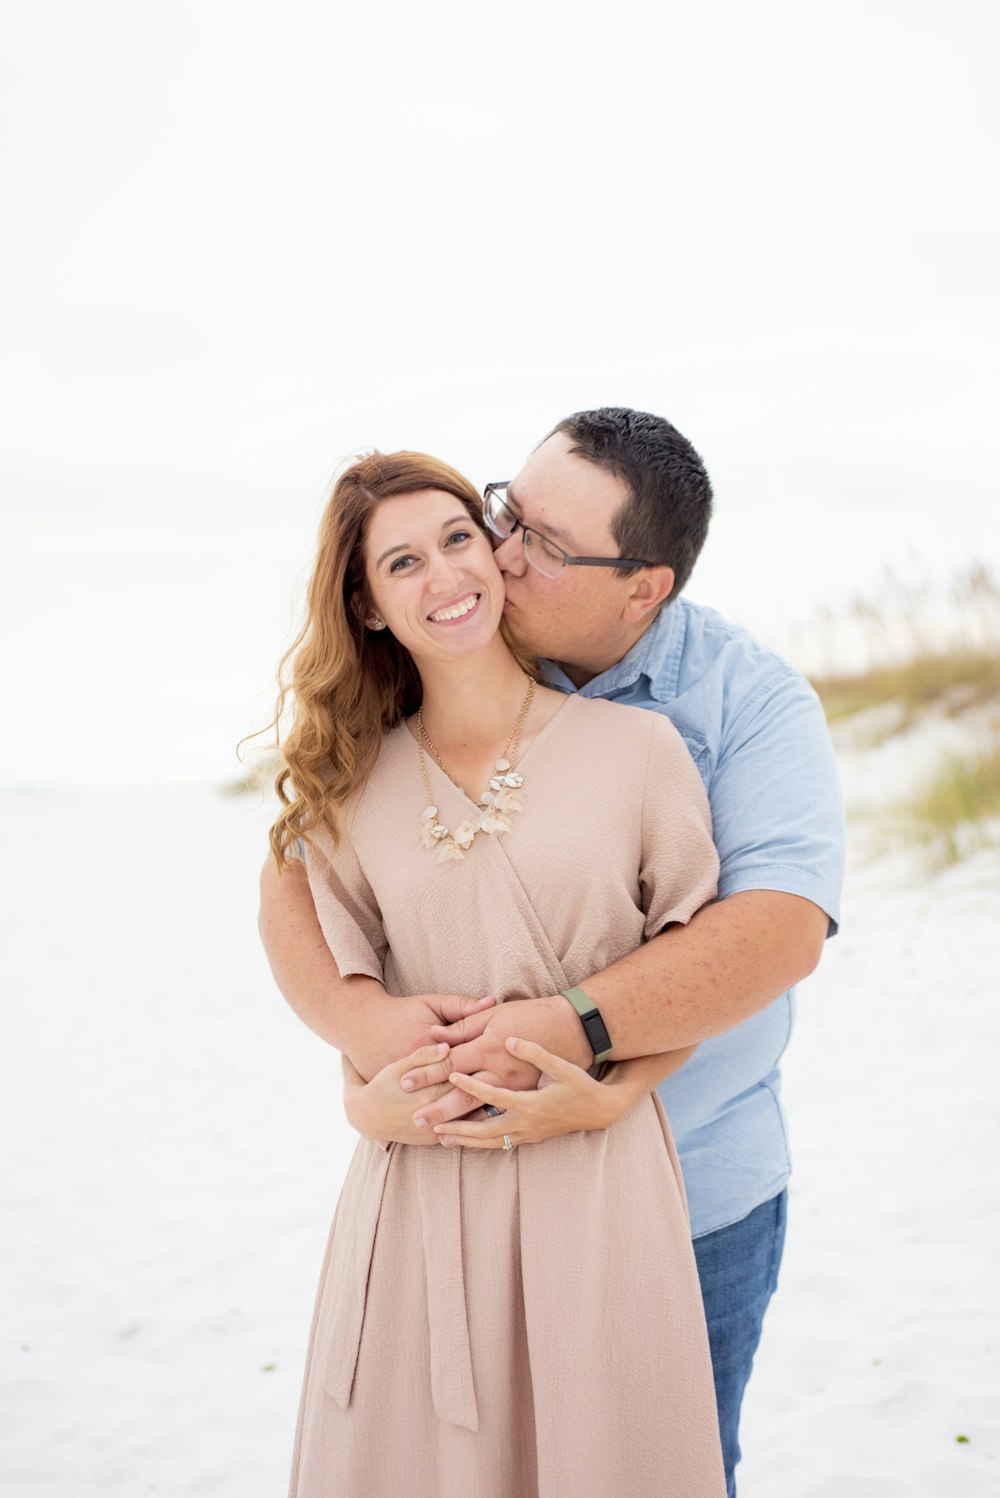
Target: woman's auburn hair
column 347, row 685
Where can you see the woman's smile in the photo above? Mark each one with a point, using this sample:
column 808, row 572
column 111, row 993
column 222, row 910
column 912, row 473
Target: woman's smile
column 431, row 571
column 455, row 613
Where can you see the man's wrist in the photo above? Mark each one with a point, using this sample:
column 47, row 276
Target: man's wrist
column 592, row 1022
column 570, row 1040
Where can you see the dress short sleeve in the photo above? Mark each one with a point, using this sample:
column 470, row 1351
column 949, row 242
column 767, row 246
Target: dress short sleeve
column 347, row 909
column 680, row 867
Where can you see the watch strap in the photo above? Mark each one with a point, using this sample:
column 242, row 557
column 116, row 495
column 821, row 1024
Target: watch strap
column 590, row 1017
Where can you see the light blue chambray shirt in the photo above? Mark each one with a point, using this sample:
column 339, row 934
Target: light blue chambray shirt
column 757, row 733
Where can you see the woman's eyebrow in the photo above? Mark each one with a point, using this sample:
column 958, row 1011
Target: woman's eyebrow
column 408, row 545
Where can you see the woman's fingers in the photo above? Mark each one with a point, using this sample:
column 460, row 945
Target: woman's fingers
column 486, row 1092
column 553, row 1066
column 455, row 1103
column 473, row 1141
column 490, row 1129
column 425, row 1067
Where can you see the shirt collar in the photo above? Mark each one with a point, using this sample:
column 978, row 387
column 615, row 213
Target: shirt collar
column 656, row 656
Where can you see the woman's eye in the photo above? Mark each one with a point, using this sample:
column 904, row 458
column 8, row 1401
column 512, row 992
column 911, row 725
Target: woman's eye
column 458, row 536
column 401, row 563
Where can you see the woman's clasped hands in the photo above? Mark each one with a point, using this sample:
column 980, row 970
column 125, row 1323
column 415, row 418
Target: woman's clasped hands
column 566, row 1099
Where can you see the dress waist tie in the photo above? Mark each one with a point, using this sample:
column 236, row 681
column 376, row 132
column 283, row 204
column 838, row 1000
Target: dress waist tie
column 439, row 1191
column 438, row 1175
column 349, row 1269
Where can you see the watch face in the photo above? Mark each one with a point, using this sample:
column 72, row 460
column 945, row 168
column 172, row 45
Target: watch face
column 594, row 1027
column 597, row 1032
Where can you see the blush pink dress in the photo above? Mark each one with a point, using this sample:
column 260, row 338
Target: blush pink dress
column 524, row 1325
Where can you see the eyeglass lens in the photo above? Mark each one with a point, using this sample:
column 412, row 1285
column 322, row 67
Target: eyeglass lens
column 542, row 554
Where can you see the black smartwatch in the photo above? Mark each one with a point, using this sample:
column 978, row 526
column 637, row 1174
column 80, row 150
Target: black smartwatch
column 590, row 1017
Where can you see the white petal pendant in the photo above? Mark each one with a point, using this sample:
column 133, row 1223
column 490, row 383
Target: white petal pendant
column 498, row 805
column 450, row 852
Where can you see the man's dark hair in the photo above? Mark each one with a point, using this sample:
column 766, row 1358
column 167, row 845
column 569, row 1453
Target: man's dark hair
column 665, row 519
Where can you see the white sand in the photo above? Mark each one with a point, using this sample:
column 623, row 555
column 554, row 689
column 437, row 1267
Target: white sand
column 174, row 1146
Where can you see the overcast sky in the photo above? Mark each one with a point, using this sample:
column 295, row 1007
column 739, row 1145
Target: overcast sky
column 240, row 243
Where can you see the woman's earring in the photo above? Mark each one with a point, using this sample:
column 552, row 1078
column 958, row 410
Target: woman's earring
column 375, row 622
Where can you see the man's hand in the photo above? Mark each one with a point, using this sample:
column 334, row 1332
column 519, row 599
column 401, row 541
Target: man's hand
column 397, row 1027
column 550, row 1022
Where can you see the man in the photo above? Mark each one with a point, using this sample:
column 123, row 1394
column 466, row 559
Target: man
column 596, row 538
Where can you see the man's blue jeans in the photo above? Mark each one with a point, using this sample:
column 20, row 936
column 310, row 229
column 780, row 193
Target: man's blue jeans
column 738, row 1267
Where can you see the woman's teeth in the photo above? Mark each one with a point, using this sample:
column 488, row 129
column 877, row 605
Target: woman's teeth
column 457, row 610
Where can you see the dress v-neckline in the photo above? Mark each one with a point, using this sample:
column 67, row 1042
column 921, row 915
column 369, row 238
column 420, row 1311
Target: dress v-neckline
column 435, row 768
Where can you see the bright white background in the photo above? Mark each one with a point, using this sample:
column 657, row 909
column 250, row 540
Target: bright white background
column 241, row 242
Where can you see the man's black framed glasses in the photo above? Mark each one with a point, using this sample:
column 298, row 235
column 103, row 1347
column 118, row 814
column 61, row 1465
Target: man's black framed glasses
column 543, row 554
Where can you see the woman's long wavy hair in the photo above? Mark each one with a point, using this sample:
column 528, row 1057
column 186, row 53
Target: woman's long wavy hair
column 347, row 685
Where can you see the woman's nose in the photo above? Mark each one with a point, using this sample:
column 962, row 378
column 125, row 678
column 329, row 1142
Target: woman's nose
column 444, row 568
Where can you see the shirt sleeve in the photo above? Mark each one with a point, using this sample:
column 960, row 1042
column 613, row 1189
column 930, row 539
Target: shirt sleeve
column 347, row 909
column 679, row 866
column 776, row 805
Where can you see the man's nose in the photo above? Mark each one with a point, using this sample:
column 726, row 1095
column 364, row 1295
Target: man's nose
column 509, row 555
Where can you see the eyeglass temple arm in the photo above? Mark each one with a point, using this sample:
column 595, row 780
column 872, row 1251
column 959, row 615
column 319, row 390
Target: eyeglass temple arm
column 608, row 562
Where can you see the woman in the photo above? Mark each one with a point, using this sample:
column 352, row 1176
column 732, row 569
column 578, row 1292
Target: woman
column 489, row 1323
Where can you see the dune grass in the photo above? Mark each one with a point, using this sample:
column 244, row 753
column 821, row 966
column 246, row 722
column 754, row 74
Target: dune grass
column 259, row 774
column 933, row 650
column 928, row 648
column 952, row 681
column 957, row 811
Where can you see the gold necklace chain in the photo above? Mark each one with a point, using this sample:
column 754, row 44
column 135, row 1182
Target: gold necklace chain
column 509, row 749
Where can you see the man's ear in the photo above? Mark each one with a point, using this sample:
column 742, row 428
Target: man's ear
column 649, row 588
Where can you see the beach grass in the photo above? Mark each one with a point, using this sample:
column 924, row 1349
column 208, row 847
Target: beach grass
column 956, row 812
column 931, row 653
column 933, row 658
column 259, row 775
column 952, row 681
column 929, row 647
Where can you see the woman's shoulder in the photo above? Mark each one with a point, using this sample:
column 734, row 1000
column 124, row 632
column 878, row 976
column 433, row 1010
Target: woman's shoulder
column 621, row 718
column 631, row 734
column 395, row 743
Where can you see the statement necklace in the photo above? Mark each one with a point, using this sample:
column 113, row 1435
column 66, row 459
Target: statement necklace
column 500, row 801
